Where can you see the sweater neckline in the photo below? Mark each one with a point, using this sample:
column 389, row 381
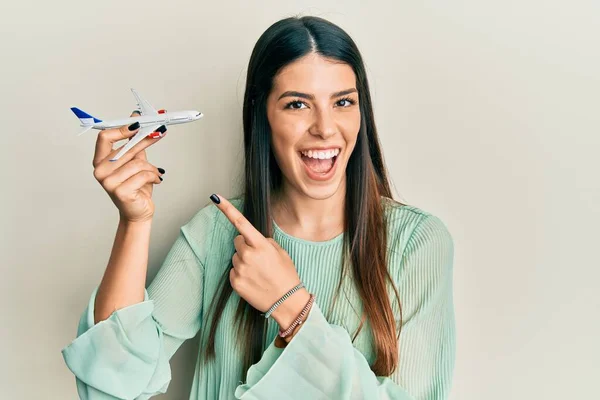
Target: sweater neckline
column 289, row 237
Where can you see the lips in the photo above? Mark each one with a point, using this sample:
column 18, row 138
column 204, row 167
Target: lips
column 315, row 175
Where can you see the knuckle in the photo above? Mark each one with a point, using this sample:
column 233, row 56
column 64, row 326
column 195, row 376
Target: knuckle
column 119, row 192
column 103, row 134
column 239, row 272
column 108, row 185
column 238, row 248
column 148, row 176
column 250, row 258
column 98, row 175
column 137, row 163
column 239, row 221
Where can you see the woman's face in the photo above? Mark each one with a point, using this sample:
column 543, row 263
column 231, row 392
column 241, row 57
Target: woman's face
column 315, row 118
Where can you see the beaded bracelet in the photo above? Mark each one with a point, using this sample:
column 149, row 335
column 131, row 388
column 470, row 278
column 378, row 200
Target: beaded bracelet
column 300, row 319
column 281, row 300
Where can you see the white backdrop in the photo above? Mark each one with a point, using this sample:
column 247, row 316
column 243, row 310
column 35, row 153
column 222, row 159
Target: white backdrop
column 488, row 113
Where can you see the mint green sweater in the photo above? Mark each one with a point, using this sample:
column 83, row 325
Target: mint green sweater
column 127, row 355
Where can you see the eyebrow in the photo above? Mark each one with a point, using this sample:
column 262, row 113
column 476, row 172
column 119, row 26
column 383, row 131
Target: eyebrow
column 293, row 93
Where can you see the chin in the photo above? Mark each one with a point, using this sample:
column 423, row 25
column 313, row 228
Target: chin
column 323, row 187
column 321, row 193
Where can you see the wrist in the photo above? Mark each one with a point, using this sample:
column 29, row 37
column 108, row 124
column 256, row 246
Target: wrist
column 129, row 224
column 291, row 308
column 289, row 337
column 282, row 342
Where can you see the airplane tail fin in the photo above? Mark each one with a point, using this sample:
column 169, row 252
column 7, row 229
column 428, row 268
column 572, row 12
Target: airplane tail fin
column 85, row 118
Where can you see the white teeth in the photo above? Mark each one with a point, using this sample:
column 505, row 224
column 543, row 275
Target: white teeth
column 321, row 154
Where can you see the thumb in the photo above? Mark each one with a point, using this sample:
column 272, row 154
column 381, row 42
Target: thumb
column 125, row 132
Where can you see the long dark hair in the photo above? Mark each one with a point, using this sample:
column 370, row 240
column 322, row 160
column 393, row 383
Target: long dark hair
column 366, row 181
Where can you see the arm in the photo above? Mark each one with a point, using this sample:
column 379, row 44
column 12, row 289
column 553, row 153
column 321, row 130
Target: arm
column 125, row 275
column 126, row 356
column 321, row 362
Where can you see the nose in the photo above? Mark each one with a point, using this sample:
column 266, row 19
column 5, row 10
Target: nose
column 324, row 124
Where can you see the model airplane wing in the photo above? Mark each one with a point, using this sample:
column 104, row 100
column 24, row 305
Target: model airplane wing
column 145, row 107
column 138, row 137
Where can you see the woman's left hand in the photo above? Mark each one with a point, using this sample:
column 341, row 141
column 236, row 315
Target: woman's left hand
column 262, row 271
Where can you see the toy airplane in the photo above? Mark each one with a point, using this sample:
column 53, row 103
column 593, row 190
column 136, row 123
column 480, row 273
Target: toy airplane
column 150, row 119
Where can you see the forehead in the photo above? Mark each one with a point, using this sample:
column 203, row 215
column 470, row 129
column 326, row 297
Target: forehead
column 315, row 74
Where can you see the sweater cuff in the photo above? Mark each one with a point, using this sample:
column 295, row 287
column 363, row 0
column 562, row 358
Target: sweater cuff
column 122, row 355
column 269, row 357
column 269, row 377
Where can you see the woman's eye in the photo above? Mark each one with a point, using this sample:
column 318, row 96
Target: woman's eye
column 345, row 102
column 297, row 105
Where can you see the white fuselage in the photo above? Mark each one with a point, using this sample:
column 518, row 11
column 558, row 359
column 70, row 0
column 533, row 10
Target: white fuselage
column 168, row 118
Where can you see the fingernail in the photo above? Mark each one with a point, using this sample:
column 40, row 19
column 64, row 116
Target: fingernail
column 162, row 171
column 136, row 112
column 159, row 132
column 134, row 126
column 215, row 199
column 160, row 178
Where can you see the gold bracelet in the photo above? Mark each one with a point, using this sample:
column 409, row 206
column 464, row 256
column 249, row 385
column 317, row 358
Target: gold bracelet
column 298, row 321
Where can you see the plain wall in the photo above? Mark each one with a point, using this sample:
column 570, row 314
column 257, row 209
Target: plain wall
column 488, row 113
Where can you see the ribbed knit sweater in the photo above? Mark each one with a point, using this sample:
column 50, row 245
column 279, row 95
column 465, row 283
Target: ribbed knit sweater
column 127, row 355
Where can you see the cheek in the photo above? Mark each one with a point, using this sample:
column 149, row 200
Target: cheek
column 283, row 142
column 286, row 133
column 351, row 126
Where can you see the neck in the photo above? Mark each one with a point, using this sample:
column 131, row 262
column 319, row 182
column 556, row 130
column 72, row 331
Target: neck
column 309, row 218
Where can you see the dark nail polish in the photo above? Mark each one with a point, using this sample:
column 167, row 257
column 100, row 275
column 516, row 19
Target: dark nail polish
column 137, row 112
column 161, row 129
column 160, row 178
column 215, row 199
column 134, row 126
column 162, row 171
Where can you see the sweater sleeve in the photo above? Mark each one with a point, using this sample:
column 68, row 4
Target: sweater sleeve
column 127, row 355
column 320, row 362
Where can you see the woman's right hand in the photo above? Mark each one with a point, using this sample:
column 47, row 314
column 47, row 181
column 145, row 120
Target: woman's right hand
column 130, row 179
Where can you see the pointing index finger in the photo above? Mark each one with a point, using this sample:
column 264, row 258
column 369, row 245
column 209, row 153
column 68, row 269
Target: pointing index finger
column 252, row 236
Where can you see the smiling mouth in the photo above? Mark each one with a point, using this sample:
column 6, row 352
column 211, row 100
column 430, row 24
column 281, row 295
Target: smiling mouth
column 319, row 166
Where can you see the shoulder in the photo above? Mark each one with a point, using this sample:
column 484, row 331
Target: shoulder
column 414, row 232
column 422, row 265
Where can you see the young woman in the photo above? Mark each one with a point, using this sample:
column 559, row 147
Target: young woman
column 312, row 284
